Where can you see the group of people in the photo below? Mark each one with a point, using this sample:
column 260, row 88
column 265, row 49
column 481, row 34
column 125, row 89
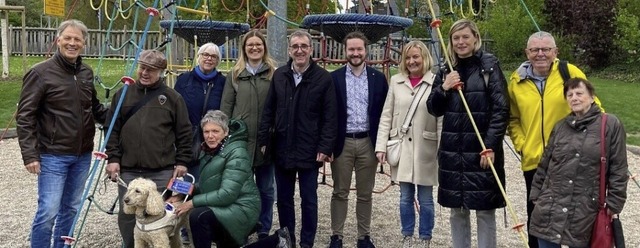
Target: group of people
column 262, row 126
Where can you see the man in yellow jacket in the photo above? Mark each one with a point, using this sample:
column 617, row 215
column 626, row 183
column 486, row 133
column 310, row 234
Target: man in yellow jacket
column 536, row 92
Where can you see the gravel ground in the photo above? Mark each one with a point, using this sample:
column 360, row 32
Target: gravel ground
column 100, row 229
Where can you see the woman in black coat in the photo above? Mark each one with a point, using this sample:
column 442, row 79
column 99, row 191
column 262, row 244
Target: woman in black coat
column 465, row 178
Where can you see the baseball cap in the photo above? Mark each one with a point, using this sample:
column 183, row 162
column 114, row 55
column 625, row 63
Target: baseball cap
column 153, row 58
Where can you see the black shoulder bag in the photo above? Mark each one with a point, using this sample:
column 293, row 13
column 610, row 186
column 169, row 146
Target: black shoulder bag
column 196, row 146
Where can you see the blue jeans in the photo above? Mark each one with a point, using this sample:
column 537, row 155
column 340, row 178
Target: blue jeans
column 308, row 184
column 60, row 185
column 408, row 214
column 264, row 180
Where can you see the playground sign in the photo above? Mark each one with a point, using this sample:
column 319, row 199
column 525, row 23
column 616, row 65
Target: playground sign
column 54, row 7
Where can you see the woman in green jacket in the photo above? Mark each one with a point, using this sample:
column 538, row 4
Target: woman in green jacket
column 225, row 204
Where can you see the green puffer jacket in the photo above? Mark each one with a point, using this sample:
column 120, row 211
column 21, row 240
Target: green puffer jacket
column 226, row 185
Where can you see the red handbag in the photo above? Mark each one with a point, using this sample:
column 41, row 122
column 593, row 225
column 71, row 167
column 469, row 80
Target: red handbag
column 602, row 236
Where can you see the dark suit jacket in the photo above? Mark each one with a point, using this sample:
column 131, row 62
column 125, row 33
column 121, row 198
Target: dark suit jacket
column 378, row 88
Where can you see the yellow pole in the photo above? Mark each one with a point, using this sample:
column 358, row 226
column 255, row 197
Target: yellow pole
column 436, row 23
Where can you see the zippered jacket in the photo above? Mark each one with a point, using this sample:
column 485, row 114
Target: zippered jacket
column 243, row 99
column 565, row 188
column 227, row 187
column 57, row 109
column 157, row 137
column 463, row 183
column 533, row 113
column 305, row 117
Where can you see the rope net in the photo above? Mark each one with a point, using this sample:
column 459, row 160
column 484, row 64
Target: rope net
column 374, row 27
column 205, row 30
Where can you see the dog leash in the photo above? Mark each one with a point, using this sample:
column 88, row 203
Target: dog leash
column 107, row 179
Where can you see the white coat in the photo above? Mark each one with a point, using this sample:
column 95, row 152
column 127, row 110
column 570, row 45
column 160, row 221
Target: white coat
column 419, row 148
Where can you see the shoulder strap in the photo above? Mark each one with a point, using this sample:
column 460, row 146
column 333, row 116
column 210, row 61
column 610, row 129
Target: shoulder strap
column 206, row 99
column 563, row 67
column 141, row 103
column 603, row 160
column 412, row 110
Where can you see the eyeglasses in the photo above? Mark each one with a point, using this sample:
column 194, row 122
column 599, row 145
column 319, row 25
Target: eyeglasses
column 208, row 56
column 296, row 47
column 544, row 50
column 254, row 45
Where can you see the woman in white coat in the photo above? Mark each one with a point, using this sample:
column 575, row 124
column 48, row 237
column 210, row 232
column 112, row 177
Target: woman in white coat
column 418, row 166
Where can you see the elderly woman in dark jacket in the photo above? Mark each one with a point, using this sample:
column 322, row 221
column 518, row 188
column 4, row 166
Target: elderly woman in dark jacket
column 226, row 204
column 466, row 180
column 566, row 185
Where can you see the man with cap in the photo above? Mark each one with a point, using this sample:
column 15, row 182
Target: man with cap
column 55, row 125
column 151, row 137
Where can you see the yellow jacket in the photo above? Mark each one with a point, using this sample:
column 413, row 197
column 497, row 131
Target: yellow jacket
column 533, row 114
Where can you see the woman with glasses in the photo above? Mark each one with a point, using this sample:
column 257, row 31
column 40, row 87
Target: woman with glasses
column 200, row 86
column 243, row 99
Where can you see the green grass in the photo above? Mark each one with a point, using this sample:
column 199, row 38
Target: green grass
column 621, row 99
column 618, row 97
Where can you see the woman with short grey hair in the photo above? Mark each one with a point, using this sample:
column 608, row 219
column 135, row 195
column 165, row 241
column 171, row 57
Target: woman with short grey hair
column 216, row 117
column 226, row 204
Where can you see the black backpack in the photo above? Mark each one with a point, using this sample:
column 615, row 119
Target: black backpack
column 563, row 67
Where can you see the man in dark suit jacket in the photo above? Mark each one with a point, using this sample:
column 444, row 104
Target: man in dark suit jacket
column 361, row 91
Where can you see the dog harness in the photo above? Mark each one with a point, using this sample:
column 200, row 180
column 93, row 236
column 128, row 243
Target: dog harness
column 169, row 219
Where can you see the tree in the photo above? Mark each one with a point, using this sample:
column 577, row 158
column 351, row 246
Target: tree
column 589, row 23
column 33, row 12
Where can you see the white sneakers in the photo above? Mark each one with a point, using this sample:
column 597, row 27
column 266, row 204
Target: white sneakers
column 423, row 243
column 408, row 242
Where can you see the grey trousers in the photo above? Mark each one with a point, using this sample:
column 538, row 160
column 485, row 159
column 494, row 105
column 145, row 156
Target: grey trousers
column 461, row 228
column 357, row 155
column 127, row 222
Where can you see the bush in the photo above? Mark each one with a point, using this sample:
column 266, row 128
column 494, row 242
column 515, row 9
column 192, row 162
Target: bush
column 509, row 27
column 591, row 21
column 628, row 35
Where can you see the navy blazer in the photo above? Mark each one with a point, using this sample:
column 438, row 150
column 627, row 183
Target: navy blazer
column 378, row 88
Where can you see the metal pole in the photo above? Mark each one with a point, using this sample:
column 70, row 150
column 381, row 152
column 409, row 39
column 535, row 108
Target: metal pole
column 277, row 32
column 24, row 41
column 5, row 47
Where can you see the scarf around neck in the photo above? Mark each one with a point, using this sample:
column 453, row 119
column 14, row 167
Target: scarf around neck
column 206, row 77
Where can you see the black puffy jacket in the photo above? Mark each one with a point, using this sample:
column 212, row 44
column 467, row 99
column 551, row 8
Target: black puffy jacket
column 463, row 183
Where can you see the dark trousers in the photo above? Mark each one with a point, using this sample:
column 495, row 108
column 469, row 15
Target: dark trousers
column 528, row 179
column 308, row 184
column 264, row 180
column 205, row 228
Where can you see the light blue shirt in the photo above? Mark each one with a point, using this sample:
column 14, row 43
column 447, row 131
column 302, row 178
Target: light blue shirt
column 297, row 77
column 357, row 101
column 537, row 80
